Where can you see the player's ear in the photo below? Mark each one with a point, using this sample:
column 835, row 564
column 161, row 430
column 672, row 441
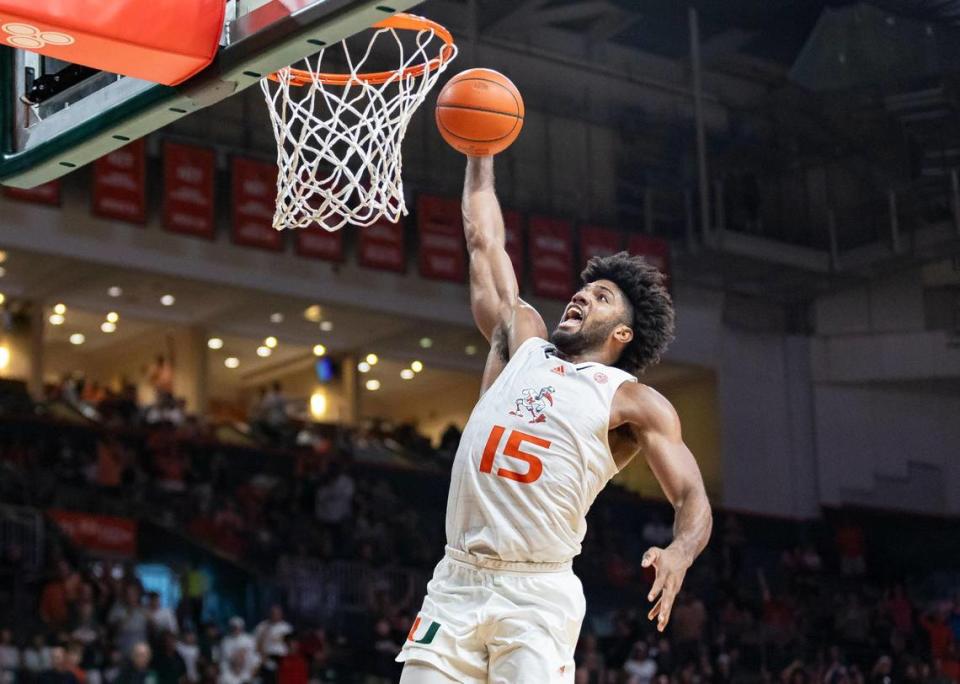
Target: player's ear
column 623, row 334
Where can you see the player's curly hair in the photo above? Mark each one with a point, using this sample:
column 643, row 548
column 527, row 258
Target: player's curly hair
column 651, row 307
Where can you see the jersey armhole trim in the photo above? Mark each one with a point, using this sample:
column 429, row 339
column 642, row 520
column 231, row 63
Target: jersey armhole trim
column 606, row 435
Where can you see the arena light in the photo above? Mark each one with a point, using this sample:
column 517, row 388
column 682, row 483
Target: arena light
column 231, row 362
column 108, row 327
column 3, row 298
column 313, row 313
column 263, row 351
column 318, row 405
column 168, row 300
column 113, row 317
column 426, row 342
column 326, row 326
column 407, row 374
column 373, row 385
column 4, row 357
column 77, row 339
column 3, row 256
column 319, row 350
column 363, row 367
column 56, row 319
column 215, row 343
column 276, row 317
column 416, row 366
column 114, row 291
column 60, row 309
column 3, row 271
column 271, row 342
column 372, row 359
column 470, row 350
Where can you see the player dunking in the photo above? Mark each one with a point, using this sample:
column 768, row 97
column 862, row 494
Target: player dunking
column 557, row 418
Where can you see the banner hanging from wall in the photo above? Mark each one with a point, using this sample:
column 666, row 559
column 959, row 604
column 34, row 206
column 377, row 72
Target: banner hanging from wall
column 513, row 232
column 188, row 189
column 655, row 250
column 48, row 193
column 599, row 241
column 254, row 195
column 318, row 243
column 440, row 230
column 101, row 534
column 381, row 246
column 120, row 184
column 551, row 256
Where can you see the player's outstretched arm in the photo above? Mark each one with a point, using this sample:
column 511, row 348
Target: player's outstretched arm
column 655, row 427
column 494, row 292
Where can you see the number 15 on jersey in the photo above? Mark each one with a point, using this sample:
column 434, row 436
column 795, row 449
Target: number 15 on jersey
column 515, row 440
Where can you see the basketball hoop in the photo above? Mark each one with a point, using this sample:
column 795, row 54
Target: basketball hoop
column 339, row 134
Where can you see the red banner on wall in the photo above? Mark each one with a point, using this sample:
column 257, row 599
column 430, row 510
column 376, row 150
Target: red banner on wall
column 656, row 251
column 254, row 201
column 599, row 241
column 319, row 243
column 48, row 193
column 120, row 184
column 440, row 229
column 188, row 189
column 513, row 231
column 551, row 256
column 381, row 246
column 98, row 533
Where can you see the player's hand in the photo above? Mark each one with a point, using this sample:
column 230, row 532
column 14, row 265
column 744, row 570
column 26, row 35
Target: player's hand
column 671, row 568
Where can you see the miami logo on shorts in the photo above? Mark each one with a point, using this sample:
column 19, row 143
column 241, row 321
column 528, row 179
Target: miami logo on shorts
column 532, row 404
column 428, row 635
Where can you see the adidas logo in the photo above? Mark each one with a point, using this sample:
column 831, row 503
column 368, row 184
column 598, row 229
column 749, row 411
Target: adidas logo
column 559, row 370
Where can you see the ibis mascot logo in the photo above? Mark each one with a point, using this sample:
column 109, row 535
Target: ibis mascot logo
column 532, row 403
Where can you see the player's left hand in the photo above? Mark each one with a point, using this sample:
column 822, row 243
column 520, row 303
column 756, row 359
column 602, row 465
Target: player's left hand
column 671, row 568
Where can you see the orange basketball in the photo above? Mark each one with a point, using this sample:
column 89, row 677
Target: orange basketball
column 479, row 112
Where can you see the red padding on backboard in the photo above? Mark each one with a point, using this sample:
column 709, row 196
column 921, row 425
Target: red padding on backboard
column 165, row 41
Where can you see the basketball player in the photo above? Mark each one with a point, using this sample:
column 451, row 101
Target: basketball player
column 558, row 416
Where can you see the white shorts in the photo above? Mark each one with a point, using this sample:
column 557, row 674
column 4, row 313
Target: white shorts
column 486, row 620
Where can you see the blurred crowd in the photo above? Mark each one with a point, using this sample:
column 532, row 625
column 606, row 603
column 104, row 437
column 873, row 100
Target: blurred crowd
column 755, row 608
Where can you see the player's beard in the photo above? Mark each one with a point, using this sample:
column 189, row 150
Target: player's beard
column 586, row 339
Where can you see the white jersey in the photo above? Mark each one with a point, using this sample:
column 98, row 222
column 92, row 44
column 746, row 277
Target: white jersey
column 533, row 457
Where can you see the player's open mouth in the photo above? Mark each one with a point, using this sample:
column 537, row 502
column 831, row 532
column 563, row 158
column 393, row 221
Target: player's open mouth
column 572, row 317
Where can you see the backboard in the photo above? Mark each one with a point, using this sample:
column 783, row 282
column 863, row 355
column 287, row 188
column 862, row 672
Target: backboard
column 78, row 114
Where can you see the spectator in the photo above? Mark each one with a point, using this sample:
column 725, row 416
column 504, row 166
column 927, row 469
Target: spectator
column 384, row 648
column 293, row 668
column 334, row 501
column 938, row 630
column 238, row 670
column 167, row 664
column 851, row 548
column 56, row 598
column 74, row 657
column 59, row 670
column 236, row 640
column 190, row 652
column 160, row 619
column 640, row 668
column 955, row 618
column 689, row 620
column 137, row 670
column 128, row 619
column 9, row 657
column 37, row 657
column 900, row 610
column 270, row 636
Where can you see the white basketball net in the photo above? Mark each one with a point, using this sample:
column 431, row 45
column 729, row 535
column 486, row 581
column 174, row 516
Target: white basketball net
column 338, row 146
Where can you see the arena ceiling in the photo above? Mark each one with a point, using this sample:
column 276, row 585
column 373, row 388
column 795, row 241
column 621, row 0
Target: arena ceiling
column 768, row 30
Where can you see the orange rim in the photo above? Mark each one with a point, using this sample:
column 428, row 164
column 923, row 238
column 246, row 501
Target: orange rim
column 408, row 22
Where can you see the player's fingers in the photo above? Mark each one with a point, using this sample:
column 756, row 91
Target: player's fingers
column 651, row 556
column 657, row 586
column 669, row 594
column 653, row 611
